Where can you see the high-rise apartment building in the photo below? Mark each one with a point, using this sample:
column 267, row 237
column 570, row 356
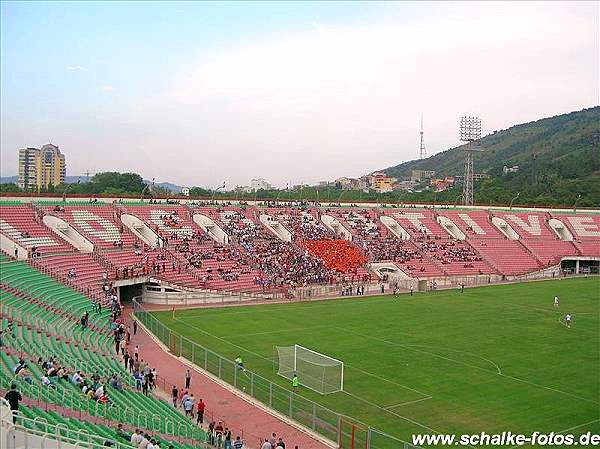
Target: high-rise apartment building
column 41, row 168
column 28, row 167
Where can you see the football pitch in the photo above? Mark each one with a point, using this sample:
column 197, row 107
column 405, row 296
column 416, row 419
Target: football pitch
column 491, row 359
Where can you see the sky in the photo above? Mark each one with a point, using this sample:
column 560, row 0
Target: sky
column 198, row 93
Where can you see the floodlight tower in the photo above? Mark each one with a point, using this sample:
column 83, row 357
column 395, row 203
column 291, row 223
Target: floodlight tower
column 470, row 132
column 422, row 150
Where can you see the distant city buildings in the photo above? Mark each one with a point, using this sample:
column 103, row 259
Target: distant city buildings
column 418, row 181
column 255, row 185
column 406, row 185
column 439, row 185
column 421, row 175
column 382, row 183
column 41, row 168
column 363, row 183
column 345, row 183
column 260, row 184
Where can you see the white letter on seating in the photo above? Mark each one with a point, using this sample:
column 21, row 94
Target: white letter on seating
column 470, row 222
column 585, row 226
column 413, row 218
column 533, row 227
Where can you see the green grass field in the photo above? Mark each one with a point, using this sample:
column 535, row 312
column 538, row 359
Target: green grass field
column 490, row 359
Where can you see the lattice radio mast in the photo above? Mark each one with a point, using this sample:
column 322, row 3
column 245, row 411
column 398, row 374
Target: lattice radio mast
column 422, row 150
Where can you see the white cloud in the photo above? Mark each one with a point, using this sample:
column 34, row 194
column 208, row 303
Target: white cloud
column 344, row 98
column 347, row 99
column 76, row 68
column 329, row 60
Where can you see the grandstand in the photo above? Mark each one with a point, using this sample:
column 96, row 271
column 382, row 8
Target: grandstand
column 59, row 256
column 44, row 317
column 280, row 251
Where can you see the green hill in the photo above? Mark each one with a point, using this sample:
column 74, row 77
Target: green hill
column 558, row 159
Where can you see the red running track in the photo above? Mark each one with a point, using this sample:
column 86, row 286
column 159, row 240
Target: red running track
column 242, row 417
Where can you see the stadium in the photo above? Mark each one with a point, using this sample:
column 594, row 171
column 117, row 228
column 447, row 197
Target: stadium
column 299, row 225
column 445, row 289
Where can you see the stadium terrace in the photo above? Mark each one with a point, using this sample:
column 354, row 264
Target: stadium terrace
column 253, row 251
column 81, row 350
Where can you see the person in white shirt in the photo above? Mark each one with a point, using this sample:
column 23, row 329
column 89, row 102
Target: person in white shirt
column 556, row 302
column 154, row 377
column 266, row 444
column 76, row 378
column 47, row 382
column 568, row 320
column 145, row 442
column 134, row 438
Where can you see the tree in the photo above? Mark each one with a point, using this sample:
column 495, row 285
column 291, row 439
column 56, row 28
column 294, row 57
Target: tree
column 199, row 192
column 130, row 183
column 159, row 191
column 10, row 187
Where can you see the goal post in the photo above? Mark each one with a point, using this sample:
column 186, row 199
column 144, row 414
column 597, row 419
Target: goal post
column 316, row 371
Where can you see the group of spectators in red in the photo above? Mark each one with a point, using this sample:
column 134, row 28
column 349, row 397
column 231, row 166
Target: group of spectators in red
column 338, row 255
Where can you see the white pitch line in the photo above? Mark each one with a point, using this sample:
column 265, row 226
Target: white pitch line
column 549, row 388
column 476, row 367
column 399, row 345
column 566, row 430
column 460, row 352
column 385, row 410
column 345, row 392
column 223, row 340
column 357, row 301
column 366, row 401
column 580, row 425
column 290, row 329
column 409, row 402
column 387, row 380
column 270, row 359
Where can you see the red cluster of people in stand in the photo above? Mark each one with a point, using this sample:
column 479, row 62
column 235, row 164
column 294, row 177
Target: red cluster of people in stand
column 339, row 255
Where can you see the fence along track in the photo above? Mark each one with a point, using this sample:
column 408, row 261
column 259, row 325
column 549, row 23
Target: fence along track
column 344, row 431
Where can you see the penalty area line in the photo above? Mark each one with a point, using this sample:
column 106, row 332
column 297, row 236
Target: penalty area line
column 408, row 402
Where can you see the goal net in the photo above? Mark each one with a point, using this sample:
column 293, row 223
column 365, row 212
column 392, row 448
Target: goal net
column 316, row 371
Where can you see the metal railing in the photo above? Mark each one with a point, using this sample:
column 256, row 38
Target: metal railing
column 59, row 398
column 51, row 435
column 343, row 431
